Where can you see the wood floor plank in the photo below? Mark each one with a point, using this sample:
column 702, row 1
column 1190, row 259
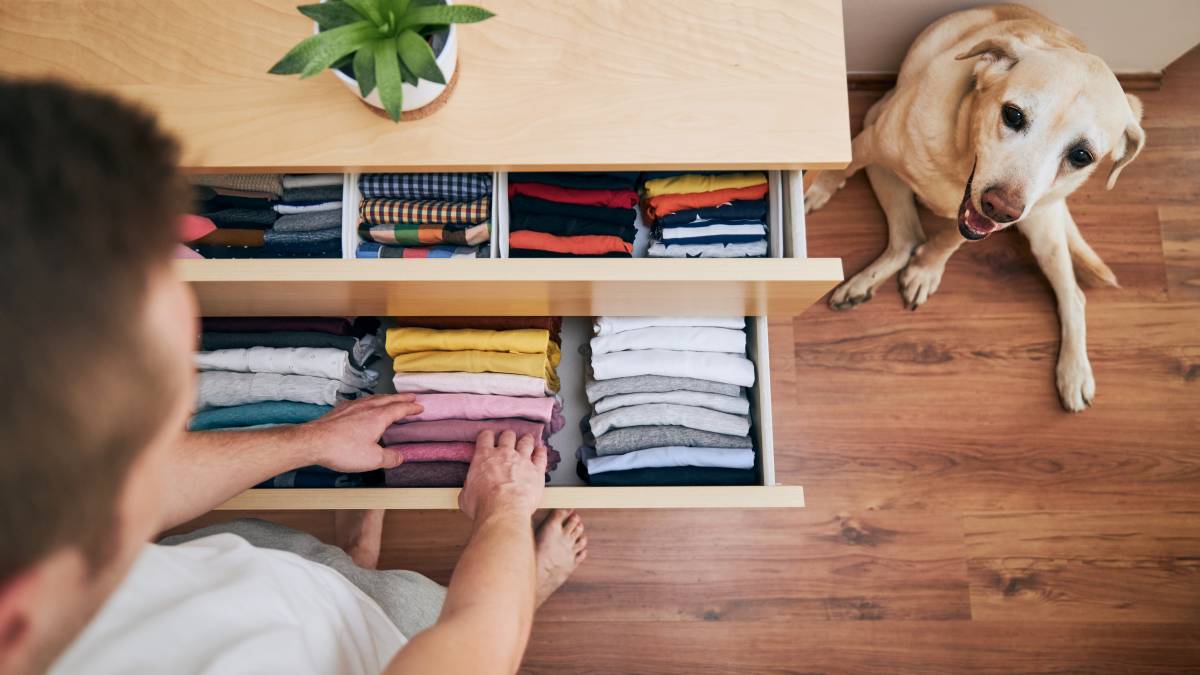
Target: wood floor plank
column 1181, row 251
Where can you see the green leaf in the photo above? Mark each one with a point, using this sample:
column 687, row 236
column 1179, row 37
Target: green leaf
column 324, row 48
column 369, row 9
column 398, row 8
column 418, row 56
column 407, row 75
column 445, row 14
column 329, row 15
column 387, row 74
column 364, row 70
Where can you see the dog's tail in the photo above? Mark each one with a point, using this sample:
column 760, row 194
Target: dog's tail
column 1089, row 268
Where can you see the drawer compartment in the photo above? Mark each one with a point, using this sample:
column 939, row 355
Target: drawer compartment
column 565, row 488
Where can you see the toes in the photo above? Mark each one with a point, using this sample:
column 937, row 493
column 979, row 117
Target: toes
column 571, row 523
column 576, row 530
column 580, row 557
column 580, row 544
column 558, row 517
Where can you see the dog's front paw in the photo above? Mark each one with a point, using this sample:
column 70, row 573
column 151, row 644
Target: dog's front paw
column 822, row 189
column 851, row 293
column 920, row 279
column 1076, row 385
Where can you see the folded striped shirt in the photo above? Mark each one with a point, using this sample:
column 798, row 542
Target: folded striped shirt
column 413, row 234
column 455, row 187
column 753, row 229
column 370, row 249
column 382, row 211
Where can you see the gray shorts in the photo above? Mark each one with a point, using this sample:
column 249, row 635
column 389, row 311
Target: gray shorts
column 411, row 600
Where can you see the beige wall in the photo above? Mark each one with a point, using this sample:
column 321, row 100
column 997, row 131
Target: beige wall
column 1132, row 36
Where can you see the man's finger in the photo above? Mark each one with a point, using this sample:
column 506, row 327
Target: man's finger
column 381, row 400
column 507, row 440
column 397, row 411
column 525, row 446
column 391, row 458
column 485, row 441
column 541, row 456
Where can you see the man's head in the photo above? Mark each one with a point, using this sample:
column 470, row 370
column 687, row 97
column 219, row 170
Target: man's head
column 1043, row 118
column 95, row 334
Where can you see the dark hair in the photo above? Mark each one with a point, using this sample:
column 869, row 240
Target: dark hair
column 89, row 201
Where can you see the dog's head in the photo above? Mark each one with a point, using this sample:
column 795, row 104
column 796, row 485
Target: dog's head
column 1043, row 117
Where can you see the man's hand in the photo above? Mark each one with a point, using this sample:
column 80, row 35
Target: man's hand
column 505, row 474
column 347, row 439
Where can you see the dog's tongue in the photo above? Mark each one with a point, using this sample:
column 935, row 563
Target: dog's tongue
column 972, row 224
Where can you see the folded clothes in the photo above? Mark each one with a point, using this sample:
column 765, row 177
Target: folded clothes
column 501, row 384
column 587, row 244
column 664, row 204
column 254, row 414
column 306, row 236
column 754, row 249
column 673, row 475
column 306, row 180
column 476, row 361
column 383, row 211
column 728, row 368
column 698, row 225
column 524, row 204
column 609, row 325
column 552, row 324
column 272, row 250
column 566, row 226
column 330, row 205
column 312, row 220
column 627, row 439
column 536, row 253
column 228, row 236
column 217, row 388
column 413, row 234
column 330, row 363
column 734, row 405
column 584, row 180
column 320, row 477
column 236, row 217
column 370, row 249
column 615, row 199
column 723, row 239
column 361, row 350
column 193, row 227
column 453, row 187
column 669, row 414
column 459, row 431
column 427, row 474
column 650, row 175
column 734, row 210
column 723, row 458
column 334, row 325
column 691, row 183
column 752, row 229
column 315, row 193
column 648, row 384
column 214, row 199
column 454, row 452
column 689, row 338
column 253, row 182
column 518, row 341
column 484, row 406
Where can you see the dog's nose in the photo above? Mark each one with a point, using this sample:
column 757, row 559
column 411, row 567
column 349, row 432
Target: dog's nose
column 999, row 205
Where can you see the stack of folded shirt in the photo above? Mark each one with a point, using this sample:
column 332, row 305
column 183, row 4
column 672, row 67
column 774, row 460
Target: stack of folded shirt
column 262, row 372
column 424, row 215
column 706, row 215
column 668, row 405
column 470, row 375
column 270, row 216
column 553, row 215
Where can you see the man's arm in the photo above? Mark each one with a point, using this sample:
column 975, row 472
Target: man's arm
column 488, row 613
column 211, row 467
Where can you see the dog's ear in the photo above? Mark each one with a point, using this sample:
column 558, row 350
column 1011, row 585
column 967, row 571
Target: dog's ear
column 1132, row 141
column 997, row 56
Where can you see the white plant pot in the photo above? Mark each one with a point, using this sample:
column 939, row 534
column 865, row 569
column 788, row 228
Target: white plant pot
column 423, row 92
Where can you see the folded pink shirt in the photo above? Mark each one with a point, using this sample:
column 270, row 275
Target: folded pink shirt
column 483, row 407
column 459, row 431
column 454, row 452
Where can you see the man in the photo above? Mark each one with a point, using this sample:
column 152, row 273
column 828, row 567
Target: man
column 97, row 335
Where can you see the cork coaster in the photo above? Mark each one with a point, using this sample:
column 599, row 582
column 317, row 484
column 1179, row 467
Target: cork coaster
column 421, row 113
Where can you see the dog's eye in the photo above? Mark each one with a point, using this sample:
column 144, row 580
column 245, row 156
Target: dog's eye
column 1013, row 117
column 1079, row 157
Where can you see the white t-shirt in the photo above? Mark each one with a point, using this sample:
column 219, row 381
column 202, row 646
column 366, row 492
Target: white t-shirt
column 220, row 605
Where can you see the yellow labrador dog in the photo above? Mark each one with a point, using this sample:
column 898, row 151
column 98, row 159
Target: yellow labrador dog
column 998, row 114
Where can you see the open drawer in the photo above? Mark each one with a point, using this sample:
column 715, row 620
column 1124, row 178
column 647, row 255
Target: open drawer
column 784, row 284
column 565, row 488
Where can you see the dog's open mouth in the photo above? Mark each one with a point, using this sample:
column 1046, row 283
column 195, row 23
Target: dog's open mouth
column 971, row 223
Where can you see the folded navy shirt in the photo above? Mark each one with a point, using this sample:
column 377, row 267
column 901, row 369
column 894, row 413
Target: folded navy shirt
column 669, row 475
column 597, row 180
column 519, row 204
column 567, row 226
column 736, row 210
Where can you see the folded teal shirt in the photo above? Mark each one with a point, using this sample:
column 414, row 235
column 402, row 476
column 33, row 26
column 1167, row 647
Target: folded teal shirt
column 255, row 414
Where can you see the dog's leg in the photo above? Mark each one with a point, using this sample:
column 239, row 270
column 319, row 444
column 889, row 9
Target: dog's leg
column 1046, row 230
column 827, row 182
column 904, row 235
column 923, row 274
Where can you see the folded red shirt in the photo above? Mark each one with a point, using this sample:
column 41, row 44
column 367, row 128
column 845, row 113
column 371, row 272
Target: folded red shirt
column 618, row 199
column 585, row 244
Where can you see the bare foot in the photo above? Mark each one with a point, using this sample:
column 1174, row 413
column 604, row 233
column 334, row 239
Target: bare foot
column 360, row 534
column 561, row 546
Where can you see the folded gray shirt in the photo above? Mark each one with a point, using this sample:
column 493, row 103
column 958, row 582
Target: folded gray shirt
column 628, row 439
column 734, row 405
column 598, row 389
column 669, row 414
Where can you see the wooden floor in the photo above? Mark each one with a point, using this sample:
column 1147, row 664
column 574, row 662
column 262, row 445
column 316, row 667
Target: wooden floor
column 958, row 520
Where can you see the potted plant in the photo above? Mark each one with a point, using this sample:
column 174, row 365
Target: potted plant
column 396, row 55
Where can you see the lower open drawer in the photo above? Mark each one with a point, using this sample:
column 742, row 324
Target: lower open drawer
column 565, row 489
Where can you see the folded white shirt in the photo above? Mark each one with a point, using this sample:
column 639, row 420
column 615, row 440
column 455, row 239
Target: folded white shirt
column 689, row 338
column 724, row 458
column 669, row 233
column 218, row 388
column 714, row 366
column 285, row 209
column 324, row 362
column 749, row 249
column 671, row 415
column 502, row 384
column 734, row 405
column 607, row 325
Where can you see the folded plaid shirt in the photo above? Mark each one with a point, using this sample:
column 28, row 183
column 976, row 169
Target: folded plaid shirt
column 425, row 212
column 410, row 234
column 454, row 187
column 369, row 249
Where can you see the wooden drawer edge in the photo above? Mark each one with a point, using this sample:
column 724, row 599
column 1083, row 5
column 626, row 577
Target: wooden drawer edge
column 691, row 497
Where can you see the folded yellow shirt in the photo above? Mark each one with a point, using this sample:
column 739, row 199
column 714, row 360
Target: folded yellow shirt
column 519, row 341
column 477, row 361
column 693, row 182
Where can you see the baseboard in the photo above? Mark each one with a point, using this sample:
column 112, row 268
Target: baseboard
column 885, row 81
